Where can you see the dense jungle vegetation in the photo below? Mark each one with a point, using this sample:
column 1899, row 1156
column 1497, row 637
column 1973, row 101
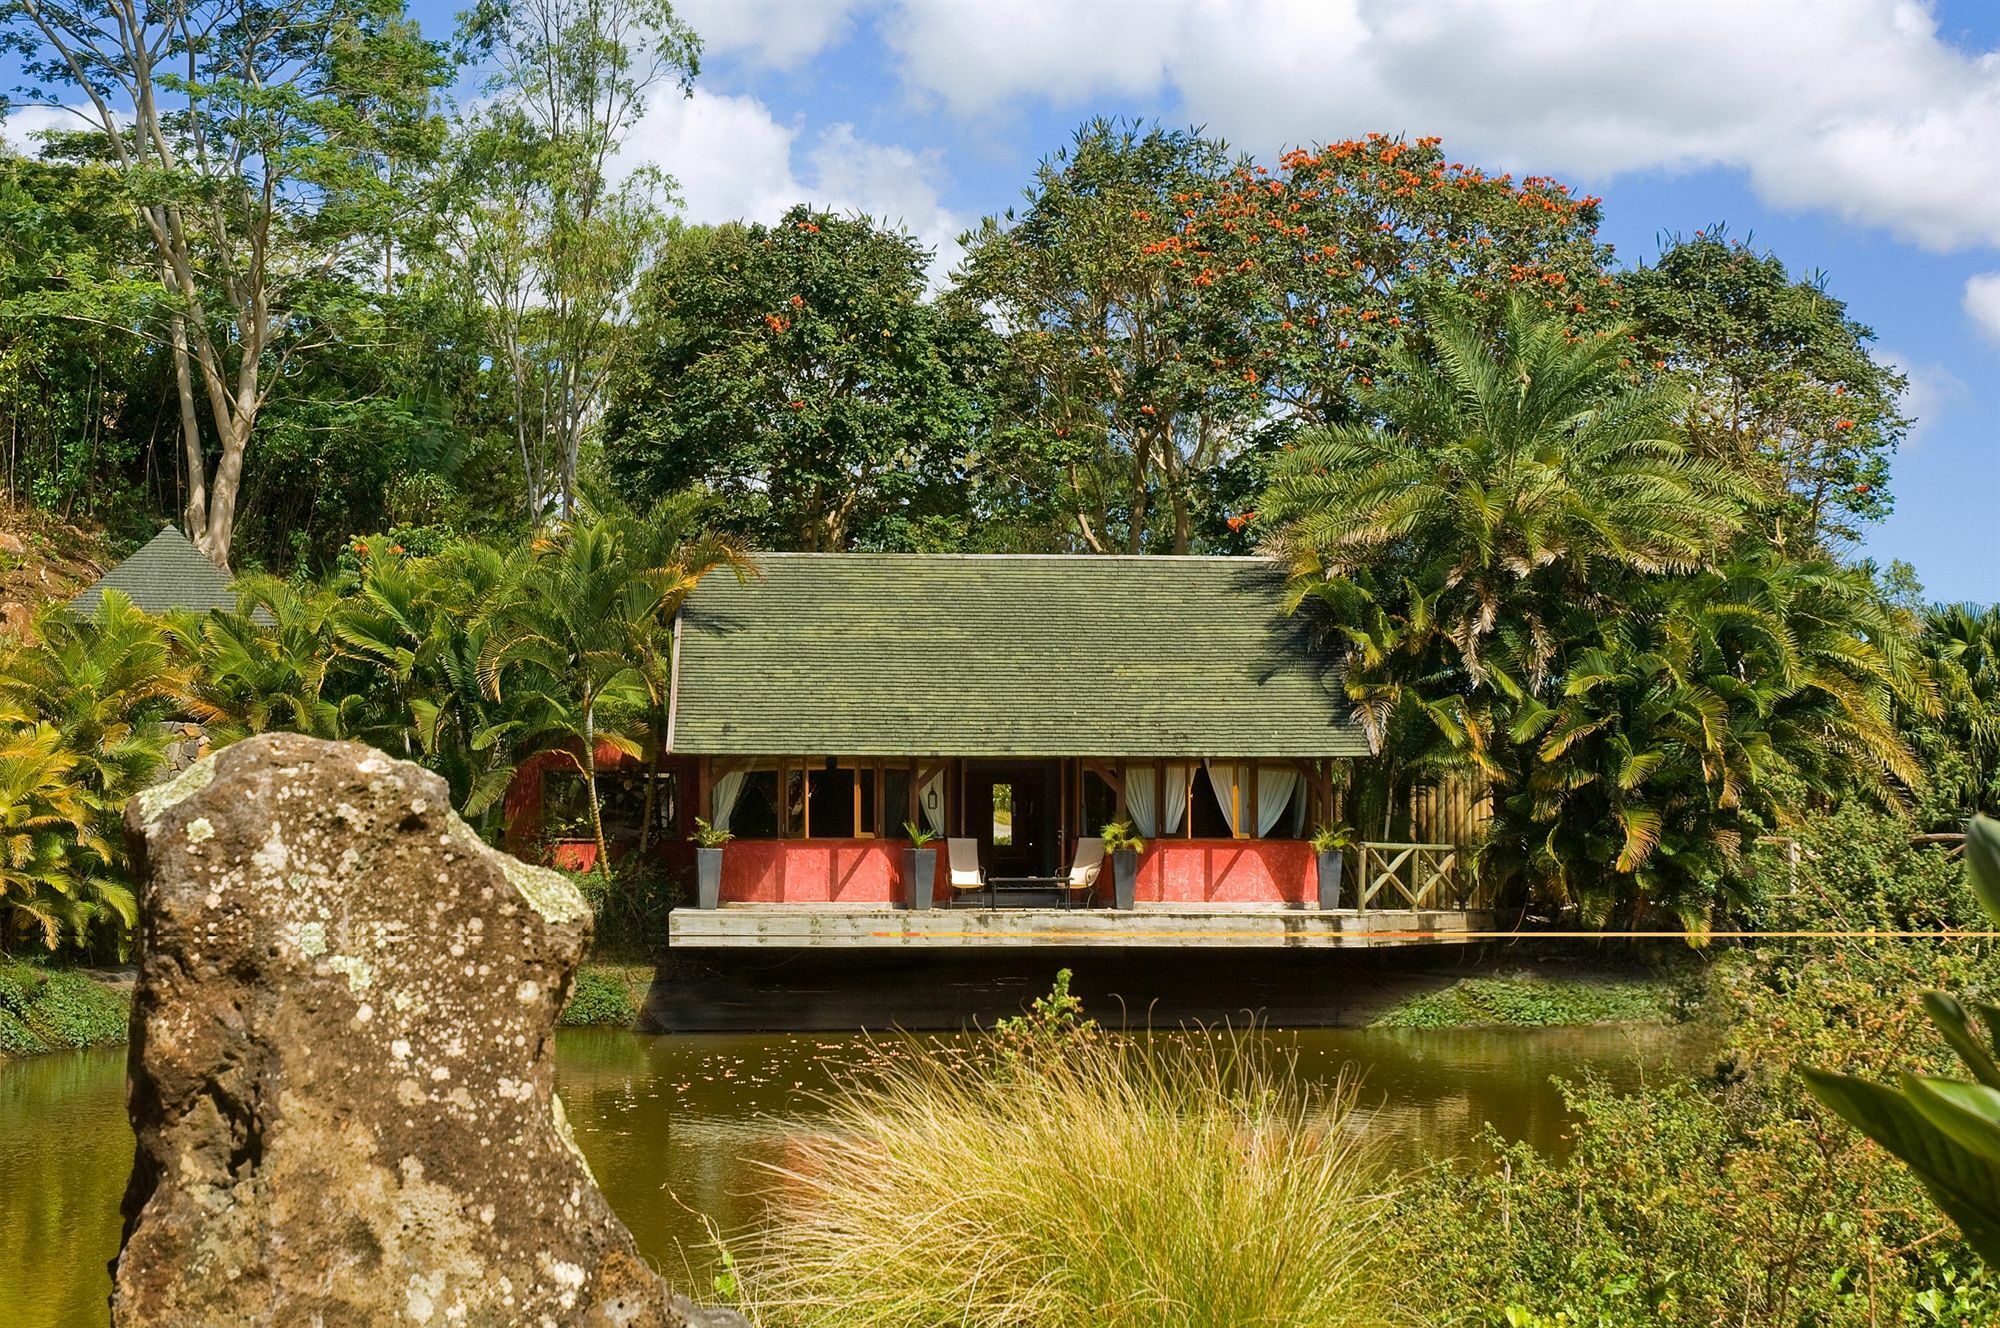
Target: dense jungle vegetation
column 469, row 412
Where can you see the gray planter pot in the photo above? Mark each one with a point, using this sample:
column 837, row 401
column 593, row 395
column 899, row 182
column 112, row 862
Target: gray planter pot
column 1124, row 878
column 708, row 877
column 1330, row 864
column 919, row 875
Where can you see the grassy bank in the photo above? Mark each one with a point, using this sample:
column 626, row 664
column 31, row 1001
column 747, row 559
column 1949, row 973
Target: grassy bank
column 607, row 995
column 54, row 1009
column 1529, row 999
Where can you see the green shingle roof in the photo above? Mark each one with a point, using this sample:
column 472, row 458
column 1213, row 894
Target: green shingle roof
column 168, row 573
column 955, row 655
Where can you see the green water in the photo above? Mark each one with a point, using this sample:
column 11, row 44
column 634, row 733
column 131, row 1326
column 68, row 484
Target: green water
column 674, row 1127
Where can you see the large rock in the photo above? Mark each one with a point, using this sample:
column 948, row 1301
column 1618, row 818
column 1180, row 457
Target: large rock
column 340, row 1068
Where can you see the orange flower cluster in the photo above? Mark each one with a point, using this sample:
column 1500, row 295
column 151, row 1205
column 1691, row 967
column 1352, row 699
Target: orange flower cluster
column 1843, row 425
column 777, row 323
column 1241, row 519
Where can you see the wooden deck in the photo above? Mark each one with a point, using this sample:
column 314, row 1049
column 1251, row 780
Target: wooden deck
column 800, row 926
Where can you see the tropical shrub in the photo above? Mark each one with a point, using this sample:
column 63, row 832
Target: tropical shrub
column 1947, row 1130
column 83, row 705
column 1729, row 1195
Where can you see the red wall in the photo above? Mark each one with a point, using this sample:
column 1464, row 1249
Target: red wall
column 870, row 871
column 818, row 871
column 1226, row 871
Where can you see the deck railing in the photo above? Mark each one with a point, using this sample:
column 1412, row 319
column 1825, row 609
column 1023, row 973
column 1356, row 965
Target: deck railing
column 1410, row 876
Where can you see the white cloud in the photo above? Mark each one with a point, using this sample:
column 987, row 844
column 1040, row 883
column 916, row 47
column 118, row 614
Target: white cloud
column 1858, row 108
column 1933, row 392
column 734, row 161
column 773, row 34
column 20, row 125
column 1982, row 304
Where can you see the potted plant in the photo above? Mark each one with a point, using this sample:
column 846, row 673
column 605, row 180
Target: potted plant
column 1124, row 846
column 919, row 865
column 1330, row 844
column 708, row 842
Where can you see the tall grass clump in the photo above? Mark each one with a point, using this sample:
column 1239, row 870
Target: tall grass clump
column 1077, row 1179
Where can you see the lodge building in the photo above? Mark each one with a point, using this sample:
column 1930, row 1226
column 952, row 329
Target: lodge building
column 1012, row 706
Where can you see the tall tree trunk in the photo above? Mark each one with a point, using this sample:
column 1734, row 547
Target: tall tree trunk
column 590, row 787
column 197, row 469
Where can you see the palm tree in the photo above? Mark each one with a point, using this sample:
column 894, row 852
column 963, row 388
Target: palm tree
column 1483, row 503
column 671, row 549
column 83, row 705
column 1962, row 643
column 1637, row 786
column 1490, row 488
column 264, row 666
column 42, row 818
column 419, row 628
column 558, row 655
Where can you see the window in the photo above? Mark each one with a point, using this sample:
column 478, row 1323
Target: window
column 1100, row 803
column 1003, row 815
column 896, row 800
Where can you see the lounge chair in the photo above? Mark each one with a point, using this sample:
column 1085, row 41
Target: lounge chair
column 962, row 857
column 1084, row 869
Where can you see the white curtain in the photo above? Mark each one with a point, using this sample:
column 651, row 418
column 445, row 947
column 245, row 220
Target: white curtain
column 1150, row 818
column 1275, row 785
column 727, row 789
column 930, row 798
column 1177, row 791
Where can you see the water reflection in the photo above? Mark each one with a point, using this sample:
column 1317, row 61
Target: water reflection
column 675, row 1128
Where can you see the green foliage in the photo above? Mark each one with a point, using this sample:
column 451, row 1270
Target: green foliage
column 1722, row 1196
column 1533, row 579
column 1050, row 1028
column 1960, row 739
column 630, row 907
column 707, row 836
column 44, row 1009
column 799, row 373
column 599, row 997
column 1780, row 384
column 1333, row 839
column 1120, row 837
column 1947, row 1130
column 83, row 706
column 1536, row 1002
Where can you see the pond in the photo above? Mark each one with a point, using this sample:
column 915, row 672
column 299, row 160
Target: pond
column 675, row 1125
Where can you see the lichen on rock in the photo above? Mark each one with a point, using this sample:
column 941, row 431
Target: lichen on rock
column 341, row 1067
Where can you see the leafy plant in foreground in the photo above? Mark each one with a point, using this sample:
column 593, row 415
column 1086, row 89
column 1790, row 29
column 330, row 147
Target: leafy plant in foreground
column 1947, row 1130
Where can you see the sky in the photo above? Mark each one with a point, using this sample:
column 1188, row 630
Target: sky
column 1858, row 139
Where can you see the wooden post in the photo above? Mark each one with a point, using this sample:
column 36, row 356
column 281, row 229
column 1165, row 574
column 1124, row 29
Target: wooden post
column 705, row 789
column 1159, row 797
column 1250, row 831
column 1235, row 800
column 1187, row 812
